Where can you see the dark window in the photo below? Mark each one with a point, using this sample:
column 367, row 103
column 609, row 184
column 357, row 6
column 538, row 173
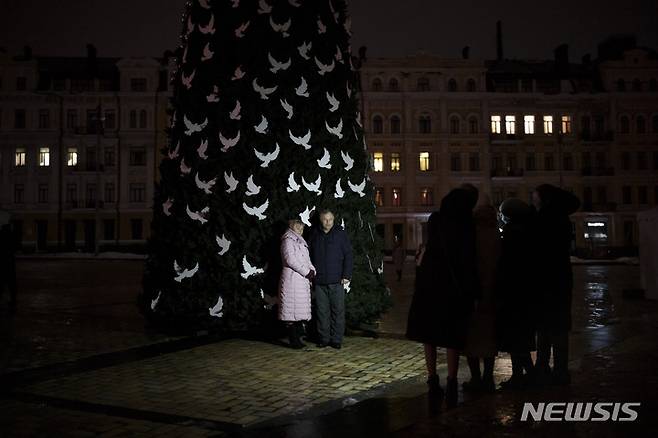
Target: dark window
column 599, row 125
column 621, row 85
column 625, row 160
column 585, row 126
column 454, row 125
column 530, row 163
column 641, row 125
column 455, row 162
column 642, row 195
column 628, row 233
column 138, row 84
column 91, row 158
column 393, row 85
column 137, row 192
column 474, row 162
column 92, row 121
column 602, row 194
column 642, row 160
column 19, row 193
column 473, row 125
column 587, row 159
column 377, row 84
column 395, row 125
column 653, row 84
column 452, row 85
column 624, row 125
column 137, row 157
column 136, row 229
column 423, row 84
column 568, row 161
column 43, row 193
column 109, row 192
column 495, row 162
column 21, row 83
column 637, row 85
column 133, row 119
column 19, row 119
column 59, row 84
column 108, row 229
column 71, row 118
column 654, row 124
column 44, row 119
column 108, row 156
column 71, row 193
column 425, row 124
column 110, row 119
column 601, row 160
column 587, row 197
column 511, row 162
column 626, row 196
column 91, row 196
column 142, row 119
column 380, row 229
column 377, row 125
column 471, row 86
column 549, row 163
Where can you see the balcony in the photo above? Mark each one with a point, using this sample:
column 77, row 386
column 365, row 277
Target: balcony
column 506, row 173
column 599, row 207
column 598, row 171
column 606, row 136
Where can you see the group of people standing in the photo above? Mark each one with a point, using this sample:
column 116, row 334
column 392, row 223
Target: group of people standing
column 324, row 262
column 482, row 288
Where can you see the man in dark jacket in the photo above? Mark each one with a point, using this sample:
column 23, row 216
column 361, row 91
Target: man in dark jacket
column 331, row 254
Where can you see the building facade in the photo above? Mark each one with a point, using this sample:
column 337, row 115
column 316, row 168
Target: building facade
column 509, row 126
column 79, row 148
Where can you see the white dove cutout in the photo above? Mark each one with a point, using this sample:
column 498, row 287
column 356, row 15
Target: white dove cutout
column 187, row 80
column 305, row 216
column 238, row 74
column 235, row 114
column 194, row 127
column 239, row 32
column 313, row 187
column 257, row 211
column 324, row 161
column 172, row 121
column 302, row 90
column 304, row 49
column 358, row 188
column 201, row 150
column 337, row 131
column 184, row 168
column 281, row 28
column 358, row 119
column 339, row 55
column 236, row 3
column 339, row 193
column 252, row 189
column 347, row 286
column 174, row 154
column 206, row 186
column 276, row 65
column 207, row 53
column 292, row 184
column 204, row 4
column 380, row 270
column 216, row 310
column 264, row 92
column 302, row 141
column 321, row 27
column 228, row 143
column 249, row 270
column 324, row 68
column 223, row 243
column 262, row 126
column 333, row 102
column 348, row 90
column 208, row 28
column 348, row 25
column 198, row 216
column 190, row 25
column 264, row 8
column 231, row 182
column 184, row 273
column 342, row 223
column 213, row 97
column 287, row 108
column 267, row 158
column 155, row 301
column 166, row 206
column 294, row 3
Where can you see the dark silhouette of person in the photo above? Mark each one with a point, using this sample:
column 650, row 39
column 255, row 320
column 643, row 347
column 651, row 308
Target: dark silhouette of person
column 8, row 264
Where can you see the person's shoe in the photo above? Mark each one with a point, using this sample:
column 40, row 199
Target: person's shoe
column 473, row 385
column 514, row 382
column 451, row 392
column 293, row 336
column 434, row 387
column 335, row 345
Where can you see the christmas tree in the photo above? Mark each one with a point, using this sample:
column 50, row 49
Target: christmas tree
column 264, row 128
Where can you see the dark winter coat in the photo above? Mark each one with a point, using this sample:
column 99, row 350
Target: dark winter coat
column 7, row 251
column 446, row 281
column 554, row 276
column 516, row 290
column 331, row 254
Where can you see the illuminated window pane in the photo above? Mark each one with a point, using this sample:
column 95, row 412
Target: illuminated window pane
column 529, row 124
column 378, row 161
column 72, row 157
column 19, row 160
column 426, row 197
column 566, row 125
column 44, row 157
column 397, row 197
column 424, row 163
column 495, row 124
column 548, row 124
column 510, row 124
column 379, row 196
column 395, row 162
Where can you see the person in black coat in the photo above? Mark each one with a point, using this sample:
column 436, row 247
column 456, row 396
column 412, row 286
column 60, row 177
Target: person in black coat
column 331, row 254
column 446, row 287
column 8, row 264
column 554, row 279
column 515, row 294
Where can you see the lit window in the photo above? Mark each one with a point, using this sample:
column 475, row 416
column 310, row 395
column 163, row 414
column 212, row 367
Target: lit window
column 20, row 157
column 72, row 157
column 548, row 124
column 529, row 124
column 566, row 124
column 44, row 157
column 379, row 196
column 395, row 162
column 378, row 161
column 397, row 197
column 510, row 124
column 495, row 124
column 426, row 197
column 424, row 161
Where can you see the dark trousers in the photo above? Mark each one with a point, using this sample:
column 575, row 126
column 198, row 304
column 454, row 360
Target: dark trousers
column 330, row 309
column 8, row 280
column 558, row 340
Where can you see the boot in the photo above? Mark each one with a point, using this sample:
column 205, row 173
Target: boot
column 293, row 336
column 434, row 387
column 451, row 392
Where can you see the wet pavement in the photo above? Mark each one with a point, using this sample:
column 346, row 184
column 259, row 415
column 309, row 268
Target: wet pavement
column 78, row 360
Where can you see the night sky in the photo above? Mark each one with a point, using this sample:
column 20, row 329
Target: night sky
column 387, row 27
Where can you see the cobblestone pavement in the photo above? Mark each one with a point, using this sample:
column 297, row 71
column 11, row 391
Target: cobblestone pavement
column 181, row 387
